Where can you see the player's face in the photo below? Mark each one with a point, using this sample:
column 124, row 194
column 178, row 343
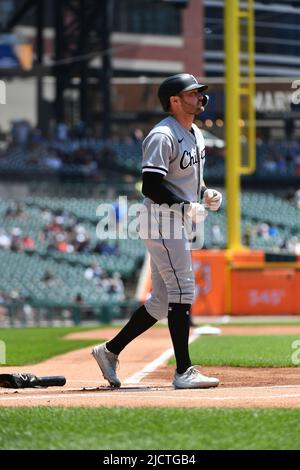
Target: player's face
column 191, row 102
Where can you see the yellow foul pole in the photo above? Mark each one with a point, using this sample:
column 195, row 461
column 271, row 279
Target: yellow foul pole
column 232, row 116
column 234, row 90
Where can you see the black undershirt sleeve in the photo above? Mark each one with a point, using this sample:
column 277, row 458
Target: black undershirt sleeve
column 154, row 188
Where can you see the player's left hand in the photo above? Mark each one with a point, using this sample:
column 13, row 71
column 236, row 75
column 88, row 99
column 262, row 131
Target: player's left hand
column 212, row 199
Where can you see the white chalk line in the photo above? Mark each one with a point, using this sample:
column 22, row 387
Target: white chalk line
column 138, row 376
column 152, row 366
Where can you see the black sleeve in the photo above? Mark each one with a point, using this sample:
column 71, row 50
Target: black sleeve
column 202, row 191
column 154, row 188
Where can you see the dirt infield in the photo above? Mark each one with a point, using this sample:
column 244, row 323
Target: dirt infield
column 239, row 387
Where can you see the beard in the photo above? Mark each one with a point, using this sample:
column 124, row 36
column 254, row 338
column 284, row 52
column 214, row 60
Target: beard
column 198, row 109
column 193, row 109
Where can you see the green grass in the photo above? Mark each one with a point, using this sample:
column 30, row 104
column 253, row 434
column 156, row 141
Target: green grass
column 144, row 428
column 33, row 345
column 244, row 351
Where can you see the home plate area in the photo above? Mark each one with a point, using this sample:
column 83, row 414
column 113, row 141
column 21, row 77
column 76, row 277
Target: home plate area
column 147, row 380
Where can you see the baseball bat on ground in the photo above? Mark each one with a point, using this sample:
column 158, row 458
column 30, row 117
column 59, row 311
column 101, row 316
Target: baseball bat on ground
column 26, row 380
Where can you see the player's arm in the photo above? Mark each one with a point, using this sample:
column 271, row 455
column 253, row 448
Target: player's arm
column 155, row 189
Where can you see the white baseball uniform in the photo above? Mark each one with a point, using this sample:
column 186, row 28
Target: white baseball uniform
column 179, row 155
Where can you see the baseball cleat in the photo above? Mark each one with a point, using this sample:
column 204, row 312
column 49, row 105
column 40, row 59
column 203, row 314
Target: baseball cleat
column 192, row 378
column 107, row 361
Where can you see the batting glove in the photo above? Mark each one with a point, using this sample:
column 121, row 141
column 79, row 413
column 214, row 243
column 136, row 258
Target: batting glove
column 212, row 199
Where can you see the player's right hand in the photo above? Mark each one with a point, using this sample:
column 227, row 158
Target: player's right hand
column 212, row 199
column 197, row 212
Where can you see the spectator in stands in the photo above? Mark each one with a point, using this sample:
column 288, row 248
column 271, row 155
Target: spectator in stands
column 138, row 135
column 28, row 312
column 28, row 243
column 297, row 165
column 113, row 286
column 48, row 278
column 49, row 237
column 8, row 213
column 82, row 239
column 93, row 271
column 3, row 297
column 269, row 164
column 62, row 132
column 273, row 231
column 3, row 300
column 248, row 235
column 16, row 241
column 281, row 164
column 46, row 216
column 297, row 198
column 98, row 248
column 263, row 230
column 20, row 133
column 216, row 235
column 117, row 286
column 76, row 310
column 5, row 240
column 283, row 244
column 14, row 295
column 52, row 161
column 59, row 219
column 17, row 211
column 119, row 214
column 102, row 247
column 62, row 244
column 290, row 196
column 63, row 216
column 289, row 160
column 293, row 245
column 279, row 156
column 79, row 299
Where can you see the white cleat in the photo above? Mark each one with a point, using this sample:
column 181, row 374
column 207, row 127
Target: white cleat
column 192, row 378
column 107, row 361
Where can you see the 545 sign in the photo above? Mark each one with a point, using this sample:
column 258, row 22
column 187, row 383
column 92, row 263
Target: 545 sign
column 267, row 296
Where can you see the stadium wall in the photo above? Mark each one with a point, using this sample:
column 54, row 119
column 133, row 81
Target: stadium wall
column 245, row 283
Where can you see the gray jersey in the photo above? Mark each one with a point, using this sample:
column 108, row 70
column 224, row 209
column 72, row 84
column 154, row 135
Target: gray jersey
column 177, row 154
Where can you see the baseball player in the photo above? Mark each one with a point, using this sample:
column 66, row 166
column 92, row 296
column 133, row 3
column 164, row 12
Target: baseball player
column 173, row 186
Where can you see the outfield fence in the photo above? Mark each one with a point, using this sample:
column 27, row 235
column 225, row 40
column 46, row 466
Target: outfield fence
column 18, row 313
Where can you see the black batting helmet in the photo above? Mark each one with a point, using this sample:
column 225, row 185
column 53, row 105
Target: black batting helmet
column 175, row 84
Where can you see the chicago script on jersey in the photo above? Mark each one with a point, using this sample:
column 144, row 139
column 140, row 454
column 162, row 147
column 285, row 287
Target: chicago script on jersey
column 189, row 159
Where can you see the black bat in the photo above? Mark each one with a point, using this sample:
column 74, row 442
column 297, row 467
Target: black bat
column 27, row 380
